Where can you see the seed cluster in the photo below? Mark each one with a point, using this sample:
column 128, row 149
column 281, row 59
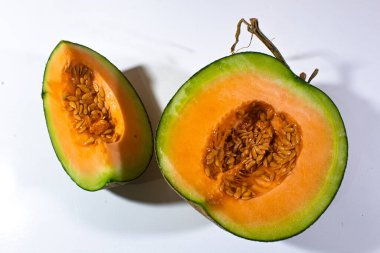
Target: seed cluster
column 254, row 148
column 86, row 101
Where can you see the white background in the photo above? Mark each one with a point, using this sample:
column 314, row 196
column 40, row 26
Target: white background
column 159, row 45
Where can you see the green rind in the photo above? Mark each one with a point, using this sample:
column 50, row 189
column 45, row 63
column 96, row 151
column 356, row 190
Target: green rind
column 268, row 67
column 107, row 179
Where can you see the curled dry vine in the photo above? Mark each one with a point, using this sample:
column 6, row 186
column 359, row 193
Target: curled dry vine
column 253, row 28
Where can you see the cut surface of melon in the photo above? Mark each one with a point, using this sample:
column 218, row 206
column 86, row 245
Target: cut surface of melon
column 98, row 125
column 202, row 107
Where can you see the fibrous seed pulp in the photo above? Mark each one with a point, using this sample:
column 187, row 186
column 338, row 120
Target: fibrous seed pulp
column 87, row 103
column 252, row 151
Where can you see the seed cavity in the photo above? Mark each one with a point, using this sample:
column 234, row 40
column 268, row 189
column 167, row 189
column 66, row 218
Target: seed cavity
column 86, row 102
column 252, row 150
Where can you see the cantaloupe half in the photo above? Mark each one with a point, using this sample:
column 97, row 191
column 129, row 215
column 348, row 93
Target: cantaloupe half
column 207, row 101
column 97, row 123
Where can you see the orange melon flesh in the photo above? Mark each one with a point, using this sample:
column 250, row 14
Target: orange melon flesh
column 94, row 166
column 181, row 142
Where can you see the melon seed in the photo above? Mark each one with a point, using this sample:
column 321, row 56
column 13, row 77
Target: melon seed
column 255, row 147
column 88, row 98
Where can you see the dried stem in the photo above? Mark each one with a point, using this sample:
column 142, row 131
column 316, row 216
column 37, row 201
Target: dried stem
column 253, row 28
column 314, row 74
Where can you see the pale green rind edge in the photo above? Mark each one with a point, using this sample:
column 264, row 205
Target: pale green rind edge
column 107, row 178
column 268, row 67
